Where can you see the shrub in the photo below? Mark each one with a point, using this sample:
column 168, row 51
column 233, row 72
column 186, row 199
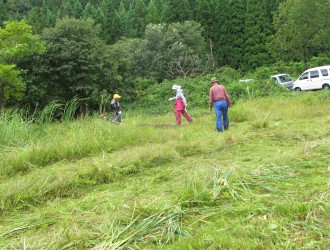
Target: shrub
column 154, row 97
column 319, row 61
column 240, row 114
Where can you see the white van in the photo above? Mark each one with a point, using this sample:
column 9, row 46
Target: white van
column 314, row 78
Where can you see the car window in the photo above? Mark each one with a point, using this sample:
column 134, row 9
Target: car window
column 304, row 76
column 285, row 78
column 324, row 72
column 315, row 74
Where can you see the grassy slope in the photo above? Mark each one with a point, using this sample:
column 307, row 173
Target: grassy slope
column 263, row 184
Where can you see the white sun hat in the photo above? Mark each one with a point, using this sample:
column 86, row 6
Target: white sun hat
column 176, row 87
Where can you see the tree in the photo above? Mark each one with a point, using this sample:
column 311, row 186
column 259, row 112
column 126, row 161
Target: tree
column 89, row 11
column 124, row 21
column 16, row 41
column 109, row 22
column 152, row 13
column 236, row 34
column 302, row 30
column 271, row 7
column 176, row 11
column 257, row 35
column 77, row 64
column 77, row 10
column 139, row 18
column 206, row 14
column 74, row 8
column 3, row 11
column 170, row 50
column 42, row 17
column 221, row 32
column 18, row 6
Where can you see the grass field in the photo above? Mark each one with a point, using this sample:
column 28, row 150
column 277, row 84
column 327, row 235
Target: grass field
column 88, row 184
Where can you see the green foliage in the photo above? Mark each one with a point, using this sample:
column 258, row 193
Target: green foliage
column 42, row 17
column 139, row 18
column 317, row 61
column 221, row 32
column 238, row 91
column 227, row 24
column 293, row 68
column 16, row 41
column 70, row 109
column 77, row 63
column 10, row 74
column 124, row 22
column 184, row 39
column 176, row 11
column 196, row 90
column 15, row 128
column 257, row 35
column 109, row 22
column 3, row 12
column 239, row 113
column 89, row 11
column 294, row 41
column 264, row 123
column 48, row 113
column 169, row 51
column 235, row 34
column 153, row 15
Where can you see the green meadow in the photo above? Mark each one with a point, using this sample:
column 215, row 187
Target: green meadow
column 90, row 184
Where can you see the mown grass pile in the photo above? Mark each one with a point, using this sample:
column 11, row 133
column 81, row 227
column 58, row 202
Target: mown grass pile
column 88, row 184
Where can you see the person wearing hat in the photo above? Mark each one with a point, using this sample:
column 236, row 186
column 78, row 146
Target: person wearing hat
column 180, row 106
column 220, row 99
column 115, row 108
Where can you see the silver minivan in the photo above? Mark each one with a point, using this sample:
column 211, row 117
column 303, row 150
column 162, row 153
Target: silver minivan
column 314, row 78
column 284, row 80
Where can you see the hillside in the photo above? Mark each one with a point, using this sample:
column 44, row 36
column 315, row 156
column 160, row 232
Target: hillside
column 88, row 184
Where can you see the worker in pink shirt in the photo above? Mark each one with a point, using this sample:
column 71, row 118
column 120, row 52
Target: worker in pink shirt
column 219, row 98
column 180, row 106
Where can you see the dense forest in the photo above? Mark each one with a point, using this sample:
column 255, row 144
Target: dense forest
column 61, row 49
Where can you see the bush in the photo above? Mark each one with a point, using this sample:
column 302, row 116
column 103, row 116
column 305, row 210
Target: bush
column 293, row 68
column 237, row 91
column 154, row 98
column 319, row 61
column 240, row 114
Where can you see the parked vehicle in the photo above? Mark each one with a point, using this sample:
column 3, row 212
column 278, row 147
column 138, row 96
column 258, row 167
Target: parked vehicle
column 284, row 79
column 314, row 78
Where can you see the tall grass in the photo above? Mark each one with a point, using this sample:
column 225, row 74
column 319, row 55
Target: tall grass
column 48, row 113
column 70, row 109
column 15, row 129
column 90, row 184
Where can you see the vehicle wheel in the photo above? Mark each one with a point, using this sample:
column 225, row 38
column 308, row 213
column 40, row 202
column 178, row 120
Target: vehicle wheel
column 297, row 89
column 326, row 87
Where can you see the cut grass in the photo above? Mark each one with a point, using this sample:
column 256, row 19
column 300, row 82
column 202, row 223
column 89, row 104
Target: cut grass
column 98, row 186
